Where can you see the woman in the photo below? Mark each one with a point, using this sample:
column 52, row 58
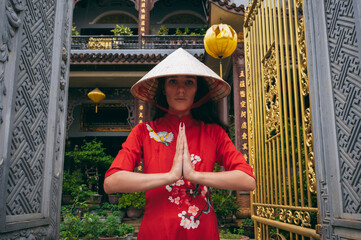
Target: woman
column 179, row 150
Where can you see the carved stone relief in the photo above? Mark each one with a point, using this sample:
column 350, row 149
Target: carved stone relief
column 346, row 81
column 34, row 161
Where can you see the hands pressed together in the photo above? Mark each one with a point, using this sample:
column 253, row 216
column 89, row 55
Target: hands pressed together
column 182, row 164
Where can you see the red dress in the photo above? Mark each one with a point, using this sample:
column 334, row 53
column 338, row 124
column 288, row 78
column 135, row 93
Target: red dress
column 181, row 210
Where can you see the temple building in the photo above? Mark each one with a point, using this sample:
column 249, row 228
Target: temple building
column 113, row 63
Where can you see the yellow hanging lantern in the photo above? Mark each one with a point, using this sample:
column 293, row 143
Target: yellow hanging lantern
column 220, row 42
column 96, row 96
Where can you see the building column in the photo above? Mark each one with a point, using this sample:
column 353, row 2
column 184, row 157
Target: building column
column 240, row 119
column 143, row 19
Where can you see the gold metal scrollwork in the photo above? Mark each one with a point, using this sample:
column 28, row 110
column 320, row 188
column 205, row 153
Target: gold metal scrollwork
column 298, row 217
column 272, row 104
column 267, row 212
column 278, row 236
column 309, row 144
column 259, row 231
column 303, row 57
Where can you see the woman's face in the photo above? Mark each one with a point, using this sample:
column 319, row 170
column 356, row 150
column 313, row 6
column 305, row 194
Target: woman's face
column 180, row 92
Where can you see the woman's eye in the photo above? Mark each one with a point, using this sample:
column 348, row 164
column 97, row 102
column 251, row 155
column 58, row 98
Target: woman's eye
column 172, row 81
column 189, row 82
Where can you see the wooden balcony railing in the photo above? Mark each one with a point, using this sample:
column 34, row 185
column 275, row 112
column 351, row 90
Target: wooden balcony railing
column 137, row 42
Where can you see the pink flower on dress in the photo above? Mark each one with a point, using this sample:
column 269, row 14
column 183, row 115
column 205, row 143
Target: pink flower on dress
column 193, row 210
column 176, row 200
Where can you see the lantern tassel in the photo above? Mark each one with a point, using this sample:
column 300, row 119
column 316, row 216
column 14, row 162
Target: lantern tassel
column 96, row 108
column 220, row 68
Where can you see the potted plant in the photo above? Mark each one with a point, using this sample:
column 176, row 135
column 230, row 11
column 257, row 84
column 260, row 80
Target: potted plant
column 133, row 202
column 126, row 231
column 111, row 228
column 121, row 30
column 113, row 198
column 91, row 159
column 163, row 30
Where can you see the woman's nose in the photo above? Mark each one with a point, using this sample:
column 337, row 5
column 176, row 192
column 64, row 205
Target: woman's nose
column 180, row 89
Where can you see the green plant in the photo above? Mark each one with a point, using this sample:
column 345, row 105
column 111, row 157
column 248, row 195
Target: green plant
column 102, row 213
column 111, row 227
column 225, row 204
column 135, row 200
column 71, row 182
column 237, row 233
column 224, row 201
column 109, row 207
column 125, row 229
column 70, row 227
column 92, row 227
column 91, row 154
column 83, row 193
column 89, row 158
column 118, row 213
column 178, row 32
column 163, row 30
column 248, row 222
column 122, row 30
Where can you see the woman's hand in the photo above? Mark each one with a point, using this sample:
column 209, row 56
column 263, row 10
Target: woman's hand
column 188, row 168
column 176, row 170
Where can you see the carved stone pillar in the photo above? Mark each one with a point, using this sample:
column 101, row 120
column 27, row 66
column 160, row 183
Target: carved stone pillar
column 34, row 68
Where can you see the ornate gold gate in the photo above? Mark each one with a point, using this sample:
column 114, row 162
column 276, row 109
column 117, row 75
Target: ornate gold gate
column 284, row 204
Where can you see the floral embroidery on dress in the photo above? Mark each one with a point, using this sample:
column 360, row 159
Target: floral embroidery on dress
column 194, row 199
column 162, row 136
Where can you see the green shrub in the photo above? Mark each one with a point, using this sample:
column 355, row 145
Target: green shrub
column 111, row 227
column 135, row 200
column 228, row 235
column 92, row 227
column 125, row 229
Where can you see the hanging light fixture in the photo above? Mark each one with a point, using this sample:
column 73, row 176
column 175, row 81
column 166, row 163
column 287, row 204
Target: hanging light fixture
column 96, row 96
column 220, row 42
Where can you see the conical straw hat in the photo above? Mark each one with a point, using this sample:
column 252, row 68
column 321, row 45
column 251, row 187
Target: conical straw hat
column 180, row 62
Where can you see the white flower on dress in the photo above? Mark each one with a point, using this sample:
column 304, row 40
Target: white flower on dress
column 186, row 223
column 195, row 224
column 180, row 182
column 195, row 159
column 171, row 199
column 169, row 188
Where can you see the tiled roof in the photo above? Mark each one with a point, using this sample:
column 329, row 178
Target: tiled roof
column 227, row 5
column 119, row 58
